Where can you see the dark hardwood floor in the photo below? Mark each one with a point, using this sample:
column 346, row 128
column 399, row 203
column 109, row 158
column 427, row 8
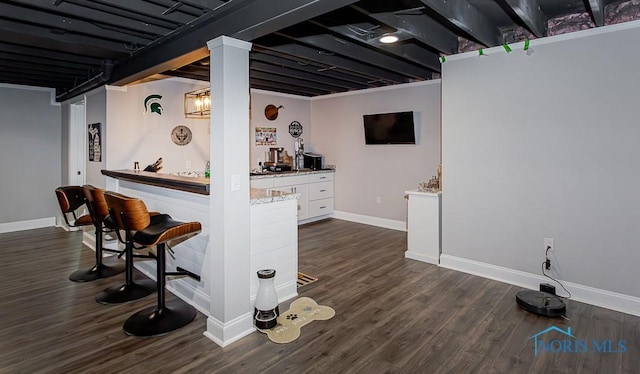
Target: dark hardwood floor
column 392, row 315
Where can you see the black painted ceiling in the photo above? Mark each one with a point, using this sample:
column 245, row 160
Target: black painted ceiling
column 304, row 47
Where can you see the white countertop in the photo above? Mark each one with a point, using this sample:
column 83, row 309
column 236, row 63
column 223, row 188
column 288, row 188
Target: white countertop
column 265, row 196
column 291, row 173
column 420, row 193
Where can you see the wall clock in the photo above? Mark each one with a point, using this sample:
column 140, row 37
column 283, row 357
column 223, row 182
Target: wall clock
column 181, row 135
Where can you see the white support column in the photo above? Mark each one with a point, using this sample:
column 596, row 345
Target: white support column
column 231, row 312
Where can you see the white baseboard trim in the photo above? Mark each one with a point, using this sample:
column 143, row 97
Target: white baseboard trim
column 224, row 334
column 594, row 296
column 27, row 225
column 421, row 257
column 198, row 298
column 370, row 220
column 89, row 240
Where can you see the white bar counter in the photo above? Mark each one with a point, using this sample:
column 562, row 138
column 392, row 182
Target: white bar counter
column 273, row 233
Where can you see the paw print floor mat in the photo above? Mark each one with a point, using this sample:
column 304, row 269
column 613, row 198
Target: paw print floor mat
column 302, row 311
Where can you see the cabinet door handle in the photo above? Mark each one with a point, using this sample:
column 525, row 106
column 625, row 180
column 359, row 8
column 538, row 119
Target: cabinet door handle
column 323, row 207
column 323, row 190
column 323, row 177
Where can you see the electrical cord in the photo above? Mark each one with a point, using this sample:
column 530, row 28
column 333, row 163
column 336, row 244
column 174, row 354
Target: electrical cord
column 547, row 263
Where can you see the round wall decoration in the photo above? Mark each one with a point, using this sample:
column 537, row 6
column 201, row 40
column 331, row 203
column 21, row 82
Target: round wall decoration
column 295, row 129
column 271, row 111
column 181, row 135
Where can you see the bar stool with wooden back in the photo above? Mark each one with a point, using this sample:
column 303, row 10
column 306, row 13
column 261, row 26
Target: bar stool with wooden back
column 131, row 289
column 71, row 199
column 99, row 213
column 144, row 230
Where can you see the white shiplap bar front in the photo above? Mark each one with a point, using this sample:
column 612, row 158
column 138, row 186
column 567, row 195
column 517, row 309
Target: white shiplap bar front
column 273, row 241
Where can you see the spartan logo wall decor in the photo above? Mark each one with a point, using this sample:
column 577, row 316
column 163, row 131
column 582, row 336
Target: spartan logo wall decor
column 152, row 104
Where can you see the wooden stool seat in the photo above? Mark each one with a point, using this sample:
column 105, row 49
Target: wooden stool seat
column 145, row 230
column 165, row 228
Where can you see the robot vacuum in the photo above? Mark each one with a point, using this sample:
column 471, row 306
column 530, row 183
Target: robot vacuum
column 541, row 303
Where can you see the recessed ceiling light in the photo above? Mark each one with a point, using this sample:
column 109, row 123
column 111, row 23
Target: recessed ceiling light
column 388, row 39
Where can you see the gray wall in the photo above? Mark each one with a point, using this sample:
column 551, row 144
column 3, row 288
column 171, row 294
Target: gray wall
column 31, row 160
column 546, row 146
column 364, row 172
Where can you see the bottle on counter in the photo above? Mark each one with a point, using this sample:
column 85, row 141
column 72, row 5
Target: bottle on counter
column 207, row 170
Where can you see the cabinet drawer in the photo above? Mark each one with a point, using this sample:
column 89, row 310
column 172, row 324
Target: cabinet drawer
column 320, row 190
column 320, row 207
column 261, row 183
column 290, row 181
column 320, row 177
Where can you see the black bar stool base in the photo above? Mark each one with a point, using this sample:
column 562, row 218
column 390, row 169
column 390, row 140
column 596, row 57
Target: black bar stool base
column 154, row 322
column 96, row 272
column 126, row 292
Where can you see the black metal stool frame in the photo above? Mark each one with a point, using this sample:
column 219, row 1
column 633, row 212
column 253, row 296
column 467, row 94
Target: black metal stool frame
column 131, row 289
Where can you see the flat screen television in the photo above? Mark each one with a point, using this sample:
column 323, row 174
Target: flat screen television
column 389, row 128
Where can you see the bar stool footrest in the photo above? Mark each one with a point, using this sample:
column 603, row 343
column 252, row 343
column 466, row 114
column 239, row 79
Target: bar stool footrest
column 154, row 321
column 96, row 272
column 127, row 292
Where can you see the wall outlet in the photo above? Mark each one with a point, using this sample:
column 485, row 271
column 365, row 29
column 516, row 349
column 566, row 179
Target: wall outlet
column 548, row 243
column 377, row 199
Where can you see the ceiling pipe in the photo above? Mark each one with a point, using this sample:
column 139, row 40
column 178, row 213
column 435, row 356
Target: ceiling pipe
column 91, row 83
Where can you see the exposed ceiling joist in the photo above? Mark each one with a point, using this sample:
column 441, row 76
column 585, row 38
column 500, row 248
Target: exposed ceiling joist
column 245, row 20
column 332, row 44
column 207, row 4
column 303, row 76
column 597, row 11
column 468, row 19
column 314, row 67
column 65, row 28
column 38, row 41
column 412, row 52
column 49, row 37
column 181, row 16
column 286, row 88
column 48, row 55
column 332, row 60
column 91, row 12
column 293, row 81
column 23, row 59
column 40, row 68
column 530, row 13
column 422, row 28
column 106, row 10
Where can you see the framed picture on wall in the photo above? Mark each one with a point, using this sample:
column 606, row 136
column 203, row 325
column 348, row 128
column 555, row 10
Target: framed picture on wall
column 95, row 142
column 266, row 136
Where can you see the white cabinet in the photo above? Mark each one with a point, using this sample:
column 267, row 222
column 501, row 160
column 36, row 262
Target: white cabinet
column 315, row 189
column 320, row 195
column 297, row 184
column 423, row 226
column 262, row 183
